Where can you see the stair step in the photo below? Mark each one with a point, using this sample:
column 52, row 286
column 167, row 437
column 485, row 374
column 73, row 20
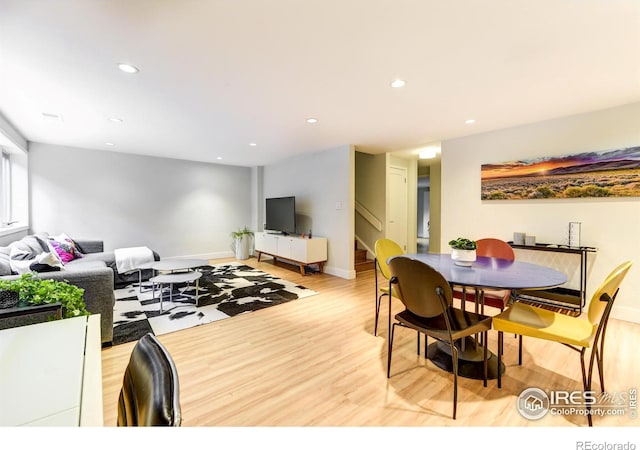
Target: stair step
column 364, row 266
column 360, row 255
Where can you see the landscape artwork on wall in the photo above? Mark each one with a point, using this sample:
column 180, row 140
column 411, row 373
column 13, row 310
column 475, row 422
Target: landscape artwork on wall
column 610, row 173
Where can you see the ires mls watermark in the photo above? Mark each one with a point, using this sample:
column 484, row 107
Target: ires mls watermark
column 534, row 403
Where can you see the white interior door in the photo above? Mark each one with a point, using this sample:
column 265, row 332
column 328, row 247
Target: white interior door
column 397, row 218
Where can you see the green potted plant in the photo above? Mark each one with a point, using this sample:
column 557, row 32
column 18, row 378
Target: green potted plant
column 242, row 242
column 33, row 290
column 463, row 251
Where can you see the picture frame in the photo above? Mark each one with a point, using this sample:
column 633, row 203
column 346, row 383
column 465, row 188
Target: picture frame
column 609, row 173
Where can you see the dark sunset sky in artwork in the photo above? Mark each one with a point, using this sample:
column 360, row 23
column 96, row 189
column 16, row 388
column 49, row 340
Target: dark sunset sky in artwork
column 539, row 166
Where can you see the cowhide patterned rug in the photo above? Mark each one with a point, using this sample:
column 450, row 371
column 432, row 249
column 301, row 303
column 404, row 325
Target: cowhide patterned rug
column 225, row 290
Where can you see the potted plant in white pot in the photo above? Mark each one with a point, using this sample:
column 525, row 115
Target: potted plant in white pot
column 463, row 251
column 242, row 242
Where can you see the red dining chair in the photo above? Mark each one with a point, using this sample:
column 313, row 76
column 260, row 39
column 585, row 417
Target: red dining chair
column 496, row 298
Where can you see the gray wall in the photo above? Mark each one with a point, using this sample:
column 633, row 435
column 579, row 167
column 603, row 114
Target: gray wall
column 176, row 207
column 323, row 185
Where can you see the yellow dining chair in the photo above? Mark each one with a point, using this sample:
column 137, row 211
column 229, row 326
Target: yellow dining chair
column 384, row 249
column 577, row 333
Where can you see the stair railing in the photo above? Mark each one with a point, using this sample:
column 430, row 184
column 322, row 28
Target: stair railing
column 368, row 216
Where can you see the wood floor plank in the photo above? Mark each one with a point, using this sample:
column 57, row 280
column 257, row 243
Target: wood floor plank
column 315, row 362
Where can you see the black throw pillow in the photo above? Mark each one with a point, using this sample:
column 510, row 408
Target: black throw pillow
column 38, row 267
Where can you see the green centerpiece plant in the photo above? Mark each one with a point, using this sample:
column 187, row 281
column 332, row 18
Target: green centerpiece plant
column 463, row 251
column 33, row 290
column 463, row 244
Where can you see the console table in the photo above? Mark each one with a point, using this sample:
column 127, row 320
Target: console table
column 302, row 251
column 52, row 374
column 574, row 299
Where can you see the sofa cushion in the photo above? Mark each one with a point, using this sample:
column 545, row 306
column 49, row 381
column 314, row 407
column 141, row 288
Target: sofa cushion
column 32, row 253
column 46, row 262
column 65, row 247
column 85, row 264
column 31, row 244
column 105, row 257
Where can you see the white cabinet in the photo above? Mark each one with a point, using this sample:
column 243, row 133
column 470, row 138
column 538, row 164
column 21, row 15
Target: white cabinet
column 266, row 243
column 303, row 251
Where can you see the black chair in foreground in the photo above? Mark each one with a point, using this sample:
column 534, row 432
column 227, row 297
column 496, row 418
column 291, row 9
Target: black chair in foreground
column 427, row 298
column 150, row 394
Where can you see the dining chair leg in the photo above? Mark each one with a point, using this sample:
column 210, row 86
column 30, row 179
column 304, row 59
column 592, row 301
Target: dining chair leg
column 389, row 326
column 426, row 346
column 586, row 380
column 393, row 328
column 418, row 343
column 375, row 326
column 600, row 363
column 499, row 359
column 600, row 356
column 485, row 368
column 520, row 350
column 454, row 357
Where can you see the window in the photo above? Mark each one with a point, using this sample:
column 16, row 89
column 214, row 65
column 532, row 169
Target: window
column 5, row 190
column 14, row 191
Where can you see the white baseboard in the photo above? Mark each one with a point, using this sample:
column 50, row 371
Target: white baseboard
column 342, row 273
column 330, row 270
column 214, row 255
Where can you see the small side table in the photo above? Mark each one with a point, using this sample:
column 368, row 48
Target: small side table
column 171, row 279
column 32, row 309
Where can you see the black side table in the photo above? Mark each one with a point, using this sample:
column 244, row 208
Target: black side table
column 569, row 298
column 32, row 309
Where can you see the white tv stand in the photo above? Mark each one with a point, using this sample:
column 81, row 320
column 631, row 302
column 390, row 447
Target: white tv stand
column 302, row 251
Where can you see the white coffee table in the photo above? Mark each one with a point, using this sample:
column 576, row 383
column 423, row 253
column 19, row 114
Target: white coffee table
column 171, row 279
column 169, row 265
column 177, row 264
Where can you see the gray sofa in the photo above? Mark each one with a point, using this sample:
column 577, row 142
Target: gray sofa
column 95, row 272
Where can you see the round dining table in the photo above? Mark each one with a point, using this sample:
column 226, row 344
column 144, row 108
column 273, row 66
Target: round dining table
column 484, row 273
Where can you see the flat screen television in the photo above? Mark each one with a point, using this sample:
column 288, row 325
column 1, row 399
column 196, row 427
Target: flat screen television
column 281, row 215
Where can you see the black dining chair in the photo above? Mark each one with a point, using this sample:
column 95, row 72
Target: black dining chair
column 427, row 298
column 150, row 394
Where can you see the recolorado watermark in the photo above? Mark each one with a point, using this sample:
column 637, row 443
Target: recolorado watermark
column 590, row 445
column 534, row 404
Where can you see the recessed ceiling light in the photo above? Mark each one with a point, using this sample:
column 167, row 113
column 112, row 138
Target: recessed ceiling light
column 252, row 144
column 128, row 68
column 312, row 120
column 110, row 144
column 52, row 116
column 398, row 83
column 219, row 157
column 428, row 153
column 470, row 121
column 115, row 119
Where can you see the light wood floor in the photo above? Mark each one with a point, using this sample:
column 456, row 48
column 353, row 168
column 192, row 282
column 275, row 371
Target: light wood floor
column 315, row 362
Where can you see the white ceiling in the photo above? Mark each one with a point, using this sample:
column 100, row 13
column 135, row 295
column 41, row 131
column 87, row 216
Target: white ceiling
column 216, row 75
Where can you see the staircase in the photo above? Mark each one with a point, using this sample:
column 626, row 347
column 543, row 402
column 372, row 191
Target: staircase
column 362, row 263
